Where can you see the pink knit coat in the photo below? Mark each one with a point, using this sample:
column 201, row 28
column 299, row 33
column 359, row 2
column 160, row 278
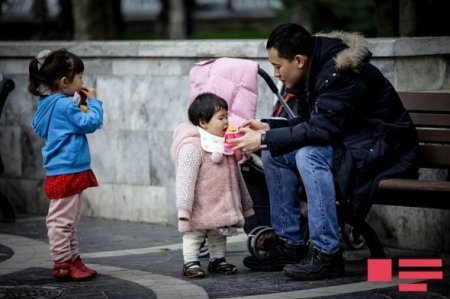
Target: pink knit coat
column 219, row 197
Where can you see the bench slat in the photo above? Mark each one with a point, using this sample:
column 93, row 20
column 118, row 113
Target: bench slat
column 434, row 156
column 421, row 199
column 431, row 119
column 414, row 193
column 426, row 101
column 431, row 135
column 414, row 185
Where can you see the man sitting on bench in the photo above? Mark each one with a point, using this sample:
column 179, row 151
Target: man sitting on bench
column 351, row 127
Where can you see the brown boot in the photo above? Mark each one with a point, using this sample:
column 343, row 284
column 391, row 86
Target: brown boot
column 61, row 271
column 80, row 265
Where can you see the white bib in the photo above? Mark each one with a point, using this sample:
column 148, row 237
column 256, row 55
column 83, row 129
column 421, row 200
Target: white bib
column 212, row 143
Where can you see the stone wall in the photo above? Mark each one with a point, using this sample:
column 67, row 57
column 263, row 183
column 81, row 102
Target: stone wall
column 144, row 86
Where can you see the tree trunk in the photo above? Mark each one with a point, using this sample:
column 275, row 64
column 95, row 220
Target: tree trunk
column 161, row 24
column 387, row 17
column 407, row 18
column 64, row 21
column 300, row 13
column 40, row 18
column 97, row 19
column 412, row 17
column 177, row 20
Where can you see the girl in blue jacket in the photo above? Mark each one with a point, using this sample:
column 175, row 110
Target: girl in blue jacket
column 66, row 112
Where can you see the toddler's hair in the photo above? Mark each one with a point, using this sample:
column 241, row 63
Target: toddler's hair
column 45, row 70
column 204, row 106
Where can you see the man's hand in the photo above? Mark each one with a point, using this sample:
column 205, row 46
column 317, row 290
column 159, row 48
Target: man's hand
column 251, row 141
column 256, row 125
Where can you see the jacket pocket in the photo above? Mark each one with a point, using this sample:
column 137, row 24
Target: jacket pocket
column 370, row 153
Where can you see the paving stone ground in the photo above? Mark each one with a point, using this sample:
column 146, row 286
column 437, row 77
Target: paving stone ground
column 141, row 260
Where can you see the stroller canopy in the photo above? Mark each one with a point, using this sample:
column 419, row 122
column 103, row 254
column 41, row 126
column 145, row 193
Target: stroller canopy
column 233, row 79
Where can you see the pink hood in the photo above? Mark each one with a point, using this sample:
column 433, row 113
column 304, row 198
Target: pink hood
column 233, row 79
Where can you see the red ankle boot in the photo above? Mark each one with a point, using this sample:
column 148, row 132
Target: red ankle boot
column 77, row 274
column 80, row 265
column 61, row 270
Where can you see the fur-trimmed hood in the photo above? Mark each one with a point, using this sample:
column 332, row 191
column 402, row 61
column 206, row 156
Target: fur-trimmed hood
column 356, row 52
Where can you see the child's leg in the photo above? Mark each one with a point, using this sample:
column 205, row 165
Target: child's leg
column 217, row 244
column 217, row 247
column 60, row 222
column 76, row 259
column 74, row 236
column 191, row 244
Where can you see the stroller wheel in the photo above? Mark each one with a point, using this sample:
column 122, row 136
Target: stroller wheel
column 353, row 237
column 261, row 243
column 251, row 236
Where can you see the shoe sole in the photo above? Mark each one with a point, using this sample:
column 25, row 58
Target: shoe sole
column 269, row 268
column 82, row 279
column 195, row 276
column 324, row 272
column 69, row 278
column 226, row 273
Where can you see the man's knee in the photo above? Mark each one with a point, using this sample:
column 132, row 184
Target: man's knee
column 275, row 161
column 305, row 152
column 310, row 155
column 310, row 152
column 270, row 161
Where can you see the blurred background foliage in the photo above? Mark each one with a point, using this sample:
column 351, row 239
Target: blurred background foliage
column 328, row 15
column 214, row 19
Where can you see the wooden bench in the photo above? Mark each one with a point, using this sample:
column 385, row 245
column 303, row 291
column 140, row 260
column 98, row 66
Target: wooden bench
column 430, row 112
column 431, row 115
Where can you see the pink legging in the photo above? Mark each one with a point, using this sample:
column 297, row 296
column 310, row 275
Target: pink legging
column 62, row 222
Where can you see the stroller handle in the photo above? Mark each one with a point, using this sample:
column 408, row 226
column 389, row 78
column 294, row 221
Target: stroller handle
column 274, row 89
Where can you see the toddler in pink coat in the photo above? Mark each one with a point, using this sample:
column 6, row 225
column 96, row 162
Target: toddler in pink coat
column 212, row 199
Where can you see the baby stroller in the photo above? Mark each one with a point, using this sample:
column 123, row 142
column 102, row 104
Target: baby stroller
column 211, row 76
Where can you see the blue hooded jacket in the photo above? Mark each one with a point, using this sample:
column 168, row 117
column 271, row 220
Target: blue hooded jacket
column 64, row 126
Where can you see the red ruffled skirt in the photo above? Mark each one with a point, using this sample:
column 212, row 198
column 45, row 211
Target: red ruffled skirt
column 65, row 185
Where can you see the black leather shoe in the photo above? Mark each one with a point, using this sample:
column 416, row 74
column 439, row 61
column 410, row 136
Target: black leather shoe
column 221, row 266
column 279, row 257
column 316, row 265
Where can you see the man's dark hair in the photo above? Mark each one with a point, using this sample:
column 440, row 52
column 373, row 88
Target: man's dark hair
column 291, row 39
column 204, row 106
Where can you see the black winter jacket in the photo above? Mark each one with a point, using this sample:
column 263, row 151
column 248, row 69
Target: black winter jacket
column 346, row 102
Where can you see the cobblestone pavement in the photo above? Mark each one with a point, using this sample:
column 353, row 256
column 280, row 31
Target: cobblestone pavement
column 141, row 260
